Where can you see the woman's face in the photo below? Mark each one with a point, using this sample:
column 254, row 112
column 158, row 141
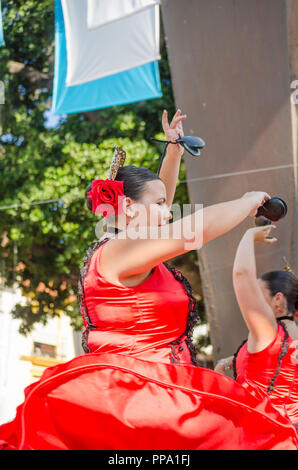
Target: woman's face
column 151, row 210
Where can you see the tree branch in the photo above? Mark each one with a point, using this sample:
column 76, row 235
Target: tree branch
column 37, row 79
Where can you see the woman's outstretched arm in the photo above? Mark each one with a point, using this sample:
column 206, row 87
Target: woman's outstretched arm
column 257, row 313
column 169, row 171
column 143, row 247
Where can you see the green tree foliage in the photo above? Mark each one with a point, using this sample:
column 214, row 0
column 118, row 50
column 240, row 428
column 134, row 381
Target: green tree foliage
column 40, row 163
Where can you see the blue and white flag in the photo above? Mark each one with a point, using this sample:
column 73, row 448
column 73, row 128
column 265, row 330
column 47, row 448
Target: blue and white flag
column 137, row 84
column 100, row 12
column 110, row 48
column 1, row 30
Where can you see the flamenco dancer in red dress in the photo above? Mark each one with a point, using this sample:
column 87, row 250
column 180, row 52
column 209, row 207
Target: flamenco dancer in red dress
column 138, row 385
column 266, row 363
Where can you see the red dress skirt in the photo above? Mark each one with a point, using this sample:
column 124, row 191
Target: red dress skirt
column 138, row 385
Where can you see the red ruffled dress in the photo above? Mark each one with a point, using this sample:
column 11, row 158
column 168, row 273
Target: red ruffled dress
column 152, row 321
column 138, row 386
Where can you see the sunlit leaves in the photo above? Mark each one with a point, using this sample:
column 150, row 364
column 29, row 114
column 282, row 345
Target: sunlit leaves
column 40, row 164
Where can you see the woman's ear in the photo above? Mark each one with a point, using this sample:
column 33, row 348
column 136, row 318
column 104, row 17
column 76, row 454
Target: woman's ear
column 279, row 300
column 127, row 207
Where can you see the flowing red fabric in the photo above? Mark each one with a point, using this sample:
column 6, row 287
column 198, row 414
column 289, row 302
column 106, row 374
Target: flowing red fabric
column 139, row 387
column 110, row 401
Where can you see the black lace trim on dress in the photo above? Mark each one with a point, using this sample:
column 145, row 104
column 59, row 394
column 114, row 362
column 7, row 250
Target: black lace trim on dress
column 85, row 335
column 235, row 358
column 192, row 320
column 282, row 354
column 81, row 294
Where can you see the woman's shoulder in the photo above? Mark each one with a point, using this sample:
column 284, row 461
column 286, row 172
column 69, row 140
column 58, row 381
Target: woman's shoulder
column 105, row 266
column 273, row 347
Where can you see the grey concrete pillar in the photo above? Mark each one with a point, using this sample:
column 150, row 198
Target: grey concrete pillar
column 230, row 64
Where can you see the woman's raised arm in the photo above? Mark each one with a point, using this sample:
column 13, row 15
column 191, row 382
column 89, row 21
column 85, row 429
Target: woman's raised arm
column 257, row 313
column 169, row 171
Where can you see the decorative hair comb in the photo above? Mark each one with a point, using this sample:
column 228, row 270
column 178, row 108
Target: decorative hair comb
column 287, row 267
column 118, row 160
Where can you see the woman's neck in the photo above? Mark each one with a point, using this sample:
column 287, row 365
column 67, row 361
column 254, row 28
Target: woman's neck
column 286, row 317
column 110, row 232
column 113, row 230
column 290, row 324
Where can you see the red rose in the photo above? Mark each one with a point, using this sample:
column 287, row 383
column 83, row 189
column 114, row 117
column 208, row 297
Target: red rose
column 106, row 196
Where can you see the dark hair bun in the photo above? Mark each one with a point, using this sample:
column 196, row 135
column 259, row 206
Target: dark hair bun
column 135, row 179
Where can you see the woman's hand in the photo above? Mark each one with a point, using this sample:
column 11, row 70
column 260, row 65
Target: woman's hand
column 261, row 234
column 173, row 130
column 224, row 365
column 258, row 198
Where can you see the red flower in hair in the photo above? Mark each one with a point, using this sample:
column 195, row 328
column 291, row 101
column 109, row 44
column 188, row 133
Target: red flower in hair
column 106, row 196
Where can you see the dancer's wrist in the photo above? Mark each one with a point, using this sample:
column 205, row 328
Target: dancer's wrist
column 175, row 151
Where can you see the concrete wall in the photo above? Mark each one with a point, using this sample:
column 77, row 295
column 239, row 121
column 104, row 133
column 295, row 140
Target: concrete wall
column 230, row 65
